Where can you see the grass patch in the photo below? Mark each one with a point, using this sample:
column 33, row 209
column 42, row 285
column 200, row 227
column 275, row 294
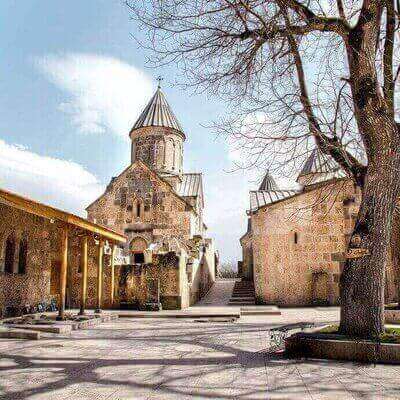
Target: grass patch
column 391, row 335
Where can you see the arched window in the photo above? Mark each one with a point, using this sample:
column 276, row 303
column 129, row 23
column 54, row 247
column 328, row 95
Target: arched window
column 170, row 154
column 23, row 253
column 9, row 255
column 180, row 158
column 138, row 209
column 159, row 161
column 173, row 155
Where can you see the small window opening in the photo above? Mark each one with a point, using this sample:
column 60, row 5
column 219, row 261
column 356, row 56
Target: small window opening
column 296, row 238
column 138, row 258
column 138, row 209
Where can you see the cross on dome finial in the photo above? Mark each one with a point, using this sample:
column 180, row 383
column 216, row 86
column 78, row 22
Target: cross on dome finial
column 160, row 79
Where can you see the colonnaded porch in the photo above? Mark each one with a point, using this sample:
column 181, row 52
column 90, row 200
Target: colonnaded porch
column 53, row 238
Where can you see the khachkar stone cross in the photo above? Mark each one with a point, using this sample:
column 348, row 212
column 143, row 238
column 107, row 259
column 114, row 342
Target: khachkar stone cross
column 159, row 79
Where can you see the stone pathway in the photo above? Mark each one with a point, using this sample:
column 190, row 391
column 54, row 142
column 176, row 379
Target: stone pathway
column 219, row 294
column 181, row 359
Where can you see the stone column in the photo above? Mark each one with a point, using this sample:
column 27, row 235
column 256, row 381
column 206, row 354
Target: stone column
column 63, row 273
column 100, row 277
column 114, row 250
column 84, row 267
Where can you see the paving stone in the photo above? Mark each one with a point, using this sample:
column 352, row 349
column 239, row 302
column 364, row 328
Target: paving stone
column 182, row 359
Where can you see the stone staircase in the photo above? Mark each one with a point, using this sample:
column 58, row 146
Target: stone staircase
column 242, row 294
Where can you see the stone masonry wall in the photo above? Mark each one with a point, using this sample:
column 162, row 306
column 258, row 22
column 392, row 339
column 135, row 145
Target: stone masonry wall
column 161, row 212
column 247, row 256
column 159, row 147
column 299, row 244
column 33, row 286
column 132, row 286
column 40, row 282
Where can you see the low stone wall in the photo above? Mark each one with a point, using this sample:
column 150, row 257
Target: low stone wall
column 132, row 282
column 336, row 347
column 392, row 316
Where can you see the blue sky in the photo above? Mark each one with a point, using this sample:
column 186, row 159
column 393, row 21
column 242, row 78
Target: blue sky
column 72, row 83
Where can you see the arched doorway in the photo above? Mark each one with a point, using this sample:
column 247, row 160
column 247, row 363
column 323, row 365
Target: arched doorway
column 137, row 248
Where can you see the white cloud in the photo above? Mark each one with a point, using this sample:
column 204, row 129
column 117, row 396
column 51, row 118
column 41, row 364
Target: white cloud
column 60, row 183
column 105, row 95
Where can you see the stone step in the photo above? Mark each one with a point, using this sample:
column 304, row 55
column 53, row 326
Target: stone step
column 260, row 310
column 242, row 303
column 243, row 291
column 244, row 298
column 19, row 334
column 178, row 314
column 51, row 328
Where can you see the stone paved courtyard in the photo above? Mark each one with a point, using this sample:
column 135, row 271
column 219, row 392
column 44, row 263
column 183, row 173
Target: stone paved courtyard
column 184, row 359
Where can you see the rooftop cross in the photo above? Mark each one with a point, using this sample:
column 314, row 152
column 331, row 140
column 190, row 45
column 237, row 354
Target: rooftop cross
column 160, row 79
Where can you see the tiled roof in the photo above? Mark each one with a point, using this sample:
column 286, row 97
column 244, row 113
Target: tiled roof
column 261, row 198
column 157, row 113
column 320, row 167
column 268, row 183
column 312, row 179
column 192, row 185
column 319, row 162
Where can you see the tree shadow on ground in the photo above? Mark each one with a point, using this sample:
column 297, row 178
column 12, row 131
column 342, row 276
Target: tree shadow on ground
column 202, row 365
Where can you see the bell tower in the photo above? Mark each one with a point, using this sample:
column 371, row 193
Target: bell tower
column 157, row 139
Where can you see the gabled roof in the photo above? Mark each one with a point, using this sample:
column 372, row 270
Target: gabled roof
column 158, row 113
column 42, row 210
column 260, row 198
column 141, row 164
column 191, row 186
column 268, row 183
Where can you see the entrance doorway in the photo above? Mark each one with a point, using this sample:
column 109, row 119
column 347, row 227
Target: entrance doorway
column 137, row 247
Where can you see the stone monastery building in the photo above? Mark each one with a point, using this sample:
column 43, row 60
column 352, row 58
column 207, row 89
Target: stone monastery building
column 294, row 248
column 143, row 245
column 159, row 208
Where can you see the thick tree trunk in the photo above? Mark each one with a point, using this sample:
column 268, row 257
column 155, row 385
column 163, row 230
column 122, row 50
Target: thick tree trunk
column 395, row 251
column 362, row 285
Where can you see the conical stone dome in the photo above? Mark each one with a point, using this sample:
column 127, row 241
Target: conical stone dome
column 157, row 138
column 158, row 113
column 268, row 183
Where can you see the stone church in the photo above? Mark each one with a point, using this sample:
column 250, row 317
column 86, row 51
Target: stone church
column 168, row 258
column 296, row 241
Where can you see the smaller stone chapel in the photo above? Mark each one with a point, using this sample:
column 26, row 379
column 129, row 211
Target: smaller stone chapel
column 168, row 258
column 295, row 245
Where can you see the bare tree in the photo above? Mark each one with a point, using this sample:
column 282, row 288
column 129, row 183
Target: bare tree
column 320, row 70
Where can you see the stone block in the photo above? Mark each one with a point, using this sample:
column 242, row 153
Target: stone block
column 338, row 347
